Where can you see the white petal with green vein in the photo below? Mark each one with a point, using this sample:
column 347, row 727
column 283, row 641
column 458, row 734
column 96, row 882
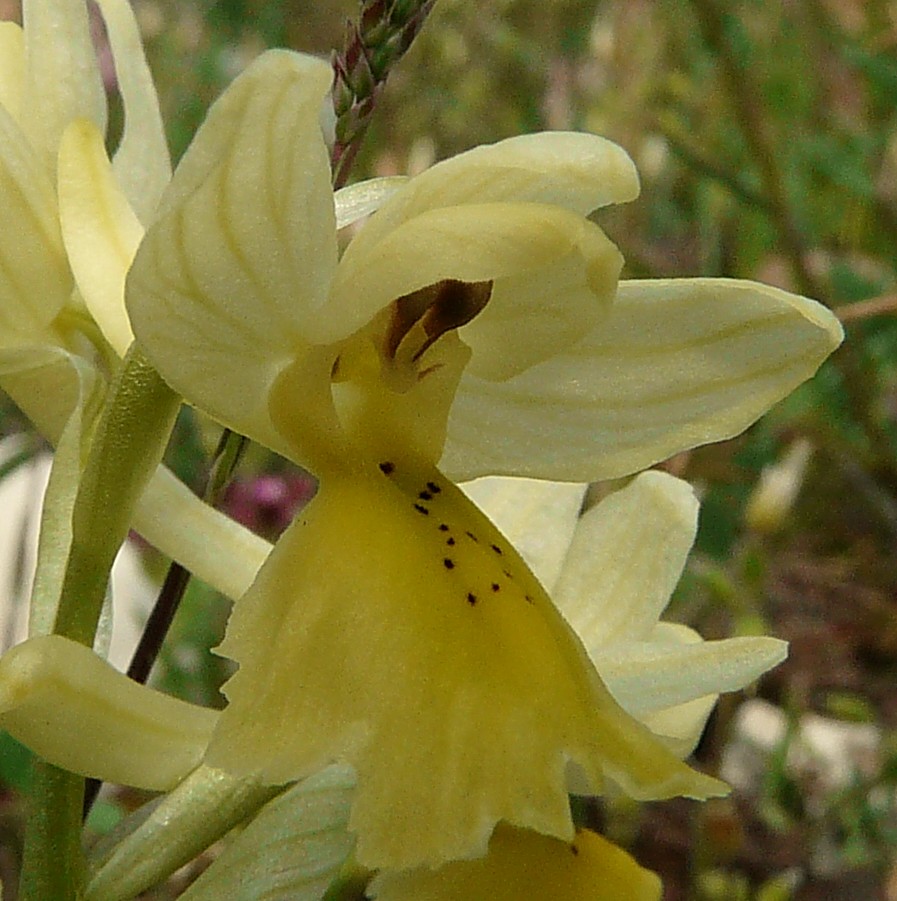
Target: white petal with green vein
column 678, row 363
column 62, row 75
column 142, row 165
column 245, row 246
column 579, row 172
column 292, row 849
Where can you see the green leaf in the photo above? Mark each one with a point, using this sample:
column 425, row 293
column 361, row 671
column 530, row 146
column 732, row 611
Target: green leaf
column 294, row 848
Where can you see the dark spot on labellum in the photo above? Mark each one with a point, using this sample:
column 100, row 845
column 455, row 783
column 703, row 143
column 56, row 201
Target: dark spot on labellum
column 574, row 850
column 425, row 496
column 471, row 598
column 387, row 468
column 432, row 486
column 495, row 586
column 448, row 563
column 450, row 542
column 422, row 509
column 529, row 599
column 443, row 527
column 496, row 548
column 471, row 536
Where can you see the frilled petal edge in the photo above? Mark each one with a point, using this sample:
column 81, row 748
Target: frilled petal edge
column 431, row 661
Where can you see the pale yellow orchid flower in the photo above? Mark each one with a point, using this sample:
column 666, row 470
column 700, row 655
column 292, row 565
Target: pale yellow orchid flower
column 472, row 326
column 71, row 223
column 611, row 573
column 52, row 120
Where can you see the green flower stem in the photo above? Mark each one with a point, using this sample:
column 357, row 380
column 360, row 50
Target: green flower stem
column 202, row 809
column 126, row 449
column 52, row 868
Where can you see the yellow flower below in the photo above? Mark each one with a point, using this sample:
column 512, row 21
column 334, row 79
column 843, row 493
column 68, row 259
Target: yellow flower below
column 522, row 864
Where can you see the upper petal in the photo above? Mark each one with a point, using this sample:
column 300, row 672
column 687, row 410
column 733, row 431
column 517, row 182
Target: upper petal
column 141, row 162
column 226, row 280
column 579, row 172
column 625, row 559
column 678, row 363
column 553, row 275
column 62, row 74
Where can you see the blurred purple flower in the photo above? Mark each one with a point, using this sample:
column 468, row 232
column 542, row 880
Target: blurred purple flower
column 267, row 503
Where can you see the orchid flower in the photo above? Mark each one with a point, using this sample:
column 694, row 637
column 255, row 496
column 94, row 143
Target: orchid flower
column 472, row 326
column 611, row 572
column 53, row 316
column 72, row 222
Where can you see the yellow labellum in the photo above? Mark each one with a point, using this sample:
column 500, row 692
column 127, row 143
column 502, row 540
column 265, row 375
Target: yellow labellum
column 393, row 628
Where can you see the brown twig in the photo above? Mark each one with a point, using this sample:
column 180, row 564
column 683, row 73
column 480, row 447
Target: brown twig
column 867, row 309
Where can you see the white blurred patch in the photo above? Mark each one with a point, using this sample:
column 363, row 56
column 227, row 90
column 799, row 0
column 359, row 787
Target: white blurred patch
column 21, row 495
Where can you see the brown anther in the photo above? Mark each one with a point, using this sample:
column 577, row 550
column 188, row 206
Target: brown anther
column 438, row 308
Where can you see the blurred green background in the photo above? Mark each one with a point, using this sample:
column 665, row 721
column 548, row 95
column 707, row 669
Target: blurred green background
column 766, row 138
